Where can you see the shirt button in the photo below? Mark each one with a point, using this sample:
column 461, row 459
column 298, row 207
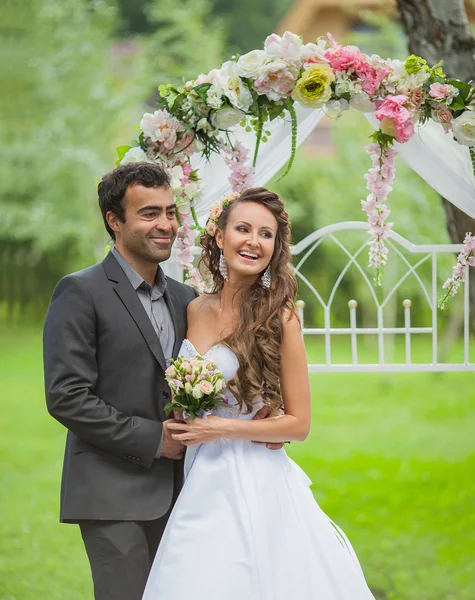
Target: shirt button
column 166, row 394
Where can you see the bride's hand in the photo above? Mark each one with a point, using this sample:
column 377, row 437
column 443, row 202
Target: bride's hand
column 198, row 430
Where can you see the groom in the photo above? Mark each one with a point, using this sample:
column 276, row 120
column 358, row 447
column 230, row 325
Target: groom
column 109, row 334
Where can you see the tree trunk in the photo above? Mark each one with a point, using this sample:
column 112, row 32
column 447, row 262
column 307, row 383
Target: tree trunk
column 439, row 30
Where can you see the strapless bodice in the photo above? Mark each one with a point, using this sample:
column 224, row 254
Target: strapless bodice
column 227, row 362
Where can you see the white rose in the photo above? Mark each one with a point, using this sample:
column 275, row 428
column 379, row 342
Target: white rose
column 288, row 47
column 134, row 155
column 226, row 117
column 314, row 53
column 464, row 129
column 214, row 96
column 401, row 81
column 249, row 64
column 233, row 87
column 188, row 388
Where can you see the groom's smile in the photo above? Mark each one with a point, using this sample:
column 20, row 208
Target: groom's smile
column 146, row 235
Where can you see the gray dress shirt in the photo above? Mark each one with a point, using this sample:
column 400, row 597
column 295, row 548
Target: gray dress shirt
column 155, row 306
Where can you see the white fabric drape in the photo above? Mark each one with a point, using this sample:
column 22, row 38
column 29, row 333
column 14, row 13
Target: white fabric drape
column 434, row 155
column 444, row 164
column 272, row 156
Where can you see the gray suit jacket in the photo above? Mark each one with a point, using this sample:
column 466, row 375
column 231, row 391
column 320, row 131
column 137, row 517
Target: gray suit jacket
column 104, row 380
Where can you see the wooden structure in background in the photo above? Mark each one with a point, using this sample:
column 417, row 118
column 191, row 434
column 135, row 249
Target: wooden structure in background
column 313, row 18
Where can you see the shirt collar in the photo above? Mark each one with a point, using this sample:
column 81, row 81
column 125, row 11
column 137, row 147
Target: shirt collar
column 137, row 281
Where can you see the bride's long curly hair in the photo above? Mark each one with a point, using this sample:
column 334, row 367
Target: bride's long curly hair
column 257, row 337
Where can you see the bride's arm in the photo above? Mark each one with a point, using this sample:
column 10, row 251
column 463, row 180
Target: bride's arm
column 293, row 425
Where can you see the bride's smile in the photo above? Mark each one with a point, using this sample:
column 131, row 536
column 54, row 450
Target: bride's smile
column 248, row 241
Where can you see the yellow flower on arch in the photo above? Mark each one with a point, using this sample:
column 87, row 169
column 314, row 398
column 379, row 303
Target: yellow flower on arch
column 313, row 89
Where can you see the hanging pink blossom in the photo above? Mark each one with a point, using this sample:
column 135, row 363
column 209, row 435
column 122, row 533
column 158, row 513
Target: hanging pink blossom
column 237, row 157
column 379, row 183
column 464, row 260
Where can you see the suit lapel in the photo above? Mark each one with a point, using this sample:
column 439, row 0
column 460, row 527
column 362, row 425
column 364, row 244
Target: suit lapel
column 129, row 298
column 170, row 299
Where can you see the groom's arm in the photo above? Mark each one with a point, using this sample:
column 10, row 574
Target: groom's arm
column 70, row 366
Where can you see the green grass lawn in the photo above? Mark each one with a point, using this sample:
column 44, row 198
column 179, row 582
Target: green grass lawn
column 391, row 457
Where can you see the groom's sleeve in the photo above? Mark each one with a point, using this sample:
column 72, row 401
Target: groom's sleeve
column 70, row 367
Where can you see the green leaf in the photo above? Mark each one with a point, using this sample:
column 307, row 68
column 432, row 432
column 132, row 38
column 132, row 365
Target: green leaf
column 275, row 110
column 177, row 103
column 202, row 90
column 457, row 104
column 465, row 88
column 378, row 137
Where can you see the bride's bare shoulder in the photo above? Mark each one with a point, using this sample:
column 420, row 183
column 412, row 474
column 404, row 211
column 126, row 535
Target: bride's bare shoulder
column 201, row 304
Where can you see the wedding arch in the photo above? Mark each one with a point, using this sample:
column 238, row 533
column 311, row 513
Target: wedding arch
column 238, row 125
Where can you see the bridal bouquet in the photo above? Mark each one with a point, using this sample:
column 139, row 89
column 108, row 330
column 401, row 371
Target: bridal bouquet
column 196, row 384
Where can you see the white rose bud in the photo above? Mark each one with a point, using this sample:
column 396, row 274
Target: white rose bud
column 197, row 393
column 188, row 388
column 226, row 117
column 135, row 154
column 250, row 64
column 219, row 385
column 343, row 86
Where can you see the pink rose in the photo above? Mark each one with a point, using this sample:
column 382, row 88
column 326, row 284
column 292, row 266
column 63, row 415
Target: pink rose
column 209, row 78
column 417, row 97
column 395, row 119
column 444, row 116
column 371, row 77
column 341, row 59
column 442, row 91
column 206, row 387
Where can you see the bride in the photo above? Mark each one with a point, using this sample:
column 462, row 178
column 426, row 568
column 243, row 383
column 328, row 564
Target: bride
column 246, row 525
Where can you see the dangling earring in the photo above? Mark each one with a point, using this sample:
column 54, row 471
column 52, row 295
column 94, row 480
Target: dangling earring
column 223, row 266
column 266, row 278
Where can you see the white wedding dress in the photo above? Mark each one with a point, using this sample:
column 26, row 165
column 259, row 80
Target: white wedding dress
column 246, row 525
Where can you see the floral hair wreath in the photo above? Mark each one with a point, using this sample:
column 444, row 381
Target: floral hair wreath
column 215, row 211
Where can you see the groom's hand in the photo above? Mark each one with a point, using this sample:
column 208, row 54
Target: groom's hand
column 171, row 448
column 263, row 413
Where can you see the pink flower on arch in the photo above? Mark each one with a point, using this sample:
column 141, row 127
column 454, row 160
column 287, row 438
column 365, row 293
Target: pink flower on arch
column 443, row 91
column 342, row 59
column 371, row 77
column 396, row 120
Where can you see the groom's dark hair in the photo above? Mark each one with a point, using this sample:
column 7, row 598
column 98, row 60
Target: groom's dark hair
column 113, row 186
